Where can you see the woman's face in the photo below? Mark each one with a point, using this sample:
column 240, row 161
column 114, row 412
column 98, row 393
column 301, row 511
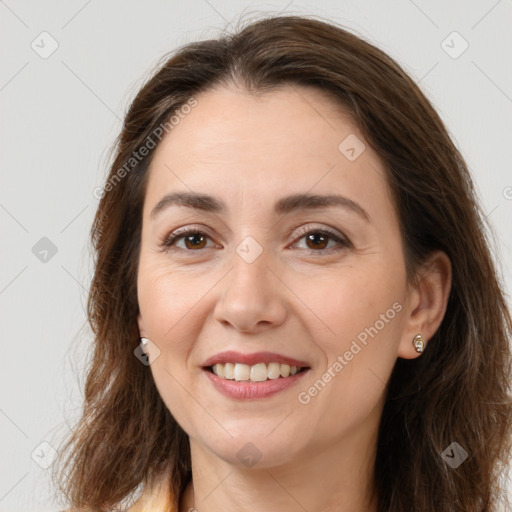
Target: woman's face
column 271, row 277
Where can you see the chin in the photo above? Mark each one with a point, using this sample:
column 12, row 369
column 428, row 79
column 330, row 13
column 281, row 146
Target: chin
column 256, row 449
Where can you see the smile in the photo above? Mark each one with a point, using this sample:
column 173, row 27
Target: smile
column 243, row 376
column 255, row 373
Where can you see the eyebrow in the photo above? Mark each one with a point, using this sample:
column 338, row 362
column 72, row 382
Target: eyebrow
column 283, row 206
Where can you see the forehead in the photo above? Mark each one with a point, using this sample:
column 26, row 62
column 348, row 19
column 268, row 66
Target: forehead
column 290, row 118
column 235, row 142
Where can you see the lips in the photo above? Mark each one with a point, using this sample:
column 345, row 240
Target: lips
column 241, row 377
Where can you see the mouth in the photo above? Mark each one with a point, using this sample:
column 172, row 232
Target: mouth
column 257, row 367
column 253, row 376
column 258, row 372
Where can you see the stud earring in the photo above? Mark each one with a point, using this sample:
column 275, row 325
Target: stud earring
column 143, row 341
column 418, row 343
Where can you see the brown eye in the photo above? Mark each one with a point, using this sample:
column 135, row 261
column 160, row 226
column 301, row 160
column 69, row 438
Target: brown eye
column 193, row 240
column 317, row 241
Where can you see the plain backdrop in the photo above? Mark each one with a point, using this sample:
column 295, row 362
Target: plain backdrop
column 61, row 111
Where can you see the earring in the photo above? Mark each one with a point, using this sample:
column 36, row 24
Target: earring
column 143, row 341
column 418, row 343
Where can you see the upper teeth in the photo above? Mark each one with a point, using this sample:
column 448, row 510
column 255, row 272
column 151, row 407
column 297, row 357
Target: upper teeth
column 256, row 373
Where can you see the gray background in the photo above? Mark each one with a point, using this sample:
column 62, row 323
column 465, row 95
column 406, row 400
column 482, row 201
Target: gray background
column 60, row 115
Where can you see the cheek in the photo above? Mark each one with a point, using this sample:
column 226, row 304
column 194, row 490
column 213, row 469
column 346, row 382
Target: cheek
column 168, row 304
column 170, row 310
column 352, row 303
column 364, row 313
column 175, row 305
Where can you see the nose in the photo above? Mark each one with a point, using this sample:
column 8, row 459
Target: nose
column 252, row 296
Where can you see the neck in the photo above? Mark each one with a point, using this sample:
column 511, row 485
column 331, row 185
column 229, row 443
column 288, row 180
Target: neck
column 333, row 477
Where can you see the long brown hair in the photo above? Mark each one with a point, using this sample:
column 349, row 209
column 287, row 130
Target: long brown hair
column 458, row 391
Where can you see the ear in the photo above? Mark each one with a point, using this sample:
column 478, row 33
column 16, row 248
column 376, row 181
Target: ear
column 426, row 303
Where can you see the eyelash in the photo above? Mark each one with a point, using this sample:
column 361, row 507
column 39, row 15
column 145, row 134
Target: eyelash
column 169, row 240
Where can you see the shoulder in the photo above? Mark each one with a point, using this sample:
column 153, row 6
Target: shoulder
column 156, row 497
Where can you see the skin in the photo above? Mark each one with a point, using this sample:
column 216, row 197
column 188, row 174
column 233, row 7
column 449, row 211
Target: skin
column 250, row 151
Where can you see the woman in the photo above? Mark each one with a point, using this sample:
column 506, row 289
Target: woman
column 294, row 303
